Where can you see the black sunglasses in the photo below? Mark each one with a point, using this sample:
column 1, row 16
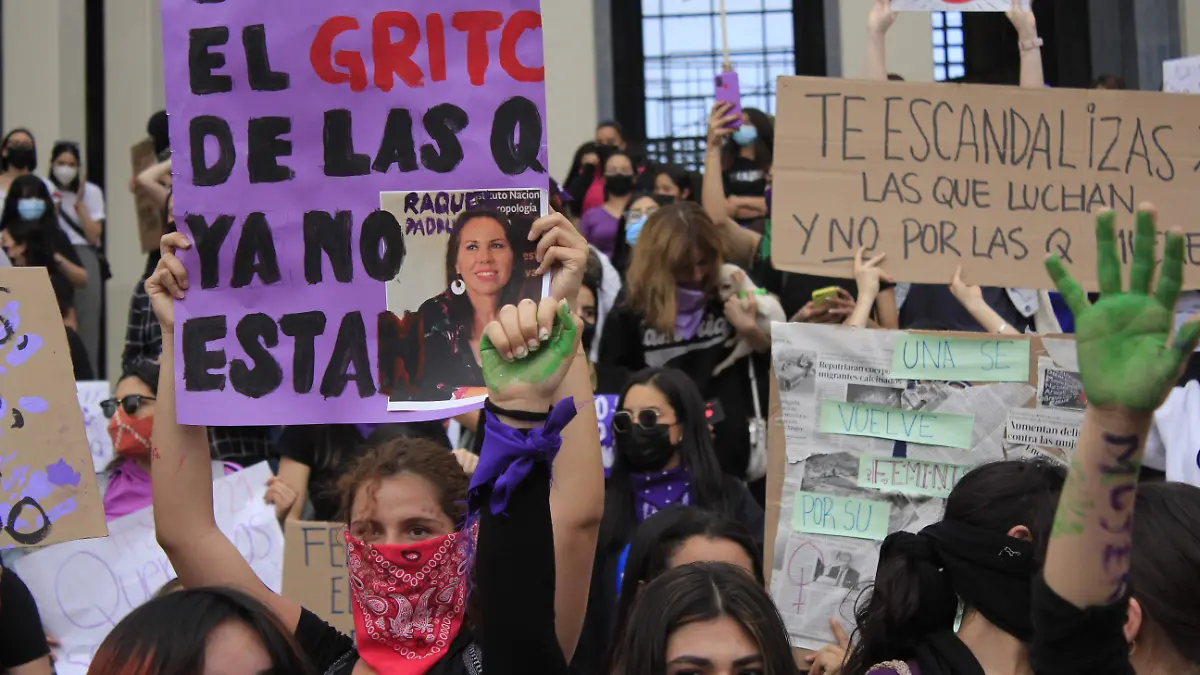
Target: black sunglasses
column 623, row 421
column 129, row 404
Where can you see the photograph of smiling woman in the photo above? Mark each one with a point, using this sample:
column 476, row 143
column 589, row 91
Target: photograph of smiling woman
column 436, row 350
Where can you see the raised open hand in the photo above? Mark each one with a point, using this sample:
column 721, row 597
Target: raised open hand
column 1020, row 14
column 527, row 352
column 881, row 17
column 1121, row 341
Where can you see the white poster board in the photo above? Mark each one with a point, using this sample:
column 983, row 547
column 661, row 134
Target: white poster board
column 954, row 5
column 94, row 422
column 84, row 588
column 1182, row 76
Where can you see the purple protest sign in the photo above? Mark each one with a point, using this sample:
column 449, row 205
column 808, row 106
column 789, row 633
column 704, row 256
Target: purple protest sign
column 288, row 121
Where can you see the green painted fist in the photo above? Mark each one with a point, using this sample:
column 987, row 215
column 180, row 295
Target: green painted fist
column 1121, row 341
column 520, row 377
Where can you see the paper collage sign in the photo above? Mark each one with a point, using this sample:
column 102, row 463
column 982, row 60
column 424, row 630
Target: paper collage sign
column 314, row 572
column 84, row 588
column 990, row 178
column 1182, row 76
column 288, row 123
column 893, row 449
column 48, row 488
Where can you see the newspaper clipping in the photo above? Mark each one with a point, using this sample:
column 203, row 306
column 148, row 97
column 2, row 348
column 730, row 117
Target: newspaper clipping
column 819, row 575
column 1052, row 428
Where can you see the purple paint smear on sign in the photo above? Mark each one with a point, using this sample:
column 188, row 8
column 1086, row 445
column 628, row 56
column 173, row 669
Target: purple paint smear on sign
column 61, row 474
column 291, row 29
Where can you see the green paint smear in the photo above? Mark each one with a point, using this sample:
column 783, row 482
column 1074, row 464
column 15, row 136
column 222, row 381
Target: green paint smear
column 537, row 366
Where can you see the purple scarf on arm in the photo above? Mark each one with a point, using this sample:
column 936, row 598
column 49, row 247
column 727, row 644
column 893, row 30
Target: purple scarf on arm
column 508, row 455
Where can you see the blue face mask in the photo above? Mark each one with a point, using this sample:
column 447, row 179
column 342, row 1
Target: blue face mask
column 31, row 208
column 745, row 135
column 632, row 230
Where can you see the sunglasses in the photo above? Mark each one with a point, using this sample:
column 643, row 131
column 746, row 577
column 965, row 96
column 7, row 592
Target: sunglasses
column 623, row 421
column 129, row 404
column 634, row 215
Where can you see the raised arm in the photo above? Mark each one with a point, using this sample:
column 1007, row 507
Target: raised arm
column 868, row 275
column 181, row 472
column 150, row 182
column 879, row 21
column 577, row 494
column 740, row 243
column 971, row 298
column 1029, row 43
column 1127, row 366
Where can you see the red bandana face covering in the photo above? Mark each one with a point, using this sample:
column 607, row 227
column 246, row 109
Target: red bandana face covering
column 409, row 600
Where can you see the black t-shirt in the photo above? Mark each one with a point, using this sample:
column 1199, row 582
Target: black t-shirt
column 326, row 450
column 629, row 345
column 794, row 290
column 743, row 178
column 23, row 639
column 933, row 307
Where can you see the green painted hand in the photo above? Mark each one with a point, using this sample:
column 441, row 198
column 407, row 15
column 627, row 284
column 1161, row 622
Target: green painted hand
column 530, row 383
column 1121, row 341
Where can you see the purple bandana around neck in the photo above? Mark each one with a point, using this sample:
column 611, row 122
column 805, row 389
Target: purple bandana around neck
column 655, row 491
column 689, row 310
column 508, row 455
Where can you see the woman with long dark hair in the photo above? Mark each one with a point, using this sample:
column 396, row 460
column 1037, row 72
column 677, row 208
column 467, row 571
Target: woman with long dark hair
column 18, row 157
column 30, row 211
column 681, row 535
column 663, row 456
column 986, row 550
column 706, row 617
column 199, row 631
column 436, row 348
column 746, row 160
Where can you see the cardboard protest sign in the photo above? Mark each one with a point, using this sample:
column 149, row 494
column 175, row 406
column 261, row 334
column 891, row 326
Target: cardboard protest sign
column 84, row 588
column 47, row 484
column 833, row 494
column 954, row 5
column 149, row 216
column 289, row 121
column 314, row 572
column 990, row 178
column 95, row 424
column 1182, row 76
column 464, row 250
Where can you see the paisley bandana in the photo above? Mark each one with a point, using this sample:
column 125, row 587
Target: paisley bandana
column 409, row 600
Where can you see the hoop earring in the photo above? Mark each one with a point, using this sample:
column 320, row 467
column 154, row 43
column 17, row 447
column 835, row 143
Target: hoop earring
column 458, row 286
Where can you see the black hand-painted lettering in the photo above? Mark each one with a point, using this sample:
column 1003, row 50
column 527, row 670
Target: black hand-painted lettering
column 912, row 112
column 350, row 360
column 993, row 143
column 847, row 129
column 1019, row 159
column 205, row 174
column 1139, row 148
column 966, row 121
column 198, row 360
column 381, row 227
column 1170, row 176
column 824, row 120
column 442, row 123
column 266, row 147
column 202, row 61
column 397, row 146
column 937, row 134
column 330, row 234
column 888, row 130
column 14, row 515
column 18, row 419
column 255, row 255
column 1059, row 241
column 257, row 334
column 517, row 136
column 1041, row 142
column 208, row 240
column 1012, row 237
column 1062, row 141
column 808, row 231
column 338, row 141
column 303, row 328
column 1116, row 137
column 258, row 62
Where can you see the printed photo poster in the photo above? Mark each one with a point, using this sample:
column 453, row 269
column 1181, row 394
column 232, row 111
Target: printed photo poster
column 289, row 123
column 95, row 424
column 48, row 490
column 873, row 430
column 465, row 250
column 83, row 589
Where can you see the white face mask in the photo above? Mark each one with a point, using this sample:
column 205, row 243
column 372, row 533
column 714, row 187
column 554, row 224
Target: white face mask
column 65, row 174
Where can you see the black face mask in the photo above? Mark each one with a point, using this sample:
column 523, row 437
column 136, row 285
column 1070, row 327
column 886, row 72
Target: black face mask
column 20, row 157
column 589, row 334
column 645, row 449
column 618, row 185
